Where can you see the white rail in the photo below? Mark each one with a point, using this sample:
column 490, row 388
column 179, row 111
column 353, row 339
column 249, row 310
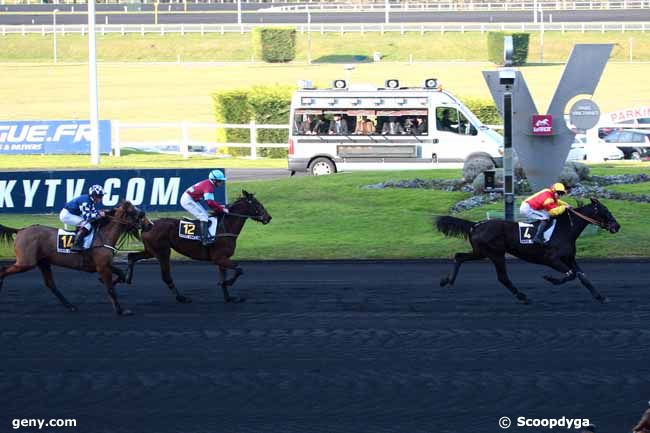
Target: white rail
column 502, row 6
column 183, row 146
column 163, row 29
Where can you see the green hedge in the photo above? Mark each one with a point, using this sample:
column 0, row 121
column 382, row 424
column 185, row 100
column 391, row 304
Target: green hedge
column 520, row 44
column 484, row 109
column 265, row 105
column 274, row 44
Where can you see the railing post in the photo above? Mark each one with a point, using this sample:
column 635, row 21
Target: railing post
column 253, row 129
column 117, row 146
column 185, row 145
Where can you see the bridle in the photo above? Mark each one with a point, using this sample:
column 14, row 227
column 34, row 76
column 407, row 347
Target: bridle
column 222, row 221
column 589, row 219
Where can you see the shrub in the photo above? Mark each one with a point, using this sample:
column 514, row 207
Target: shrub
column 265, row 105
column 274, row 44
column 232, row 106
column 484, row 109
column 520, row 43
column 270, row 105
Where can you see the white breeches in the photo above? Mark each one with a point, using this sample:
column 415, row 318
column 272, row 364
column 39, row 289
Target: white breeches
column 72, row 220
column 528, row 212
column 194, row 208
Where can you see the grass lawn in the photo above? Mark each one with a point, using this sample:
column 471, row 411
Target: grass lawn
column 175, row 92
column 136, row 160
column 433, row 46
column 332, row 217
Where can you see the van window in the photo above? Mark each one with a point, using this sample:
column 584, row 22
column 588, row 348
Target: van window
column 452, row 120
column 360, row 122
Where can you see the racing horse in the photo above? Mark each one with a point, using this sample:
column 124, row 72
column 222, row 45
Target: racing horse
column 36, row 245
column 163, row 237
column 492, row 239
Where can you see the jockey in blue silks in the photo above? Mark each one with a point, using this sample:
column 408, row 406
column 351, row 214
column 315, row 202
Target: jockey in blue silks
column 80, row 211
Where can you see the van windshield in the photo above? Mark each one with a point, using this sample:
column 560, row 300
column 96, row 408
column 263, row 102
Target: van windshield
column 360, row 122
column 451, row 120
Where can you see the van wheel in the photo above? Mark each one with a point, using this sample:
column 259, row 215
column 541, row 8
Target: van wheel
column 635, row 155
column 322, row 167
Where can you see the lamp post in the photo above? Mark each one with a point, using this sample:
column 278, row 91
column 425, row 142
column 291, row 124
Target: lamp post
column 92, row 85
column 308, row 35
column 387, row 13
column 54, row 12
column 507, row 79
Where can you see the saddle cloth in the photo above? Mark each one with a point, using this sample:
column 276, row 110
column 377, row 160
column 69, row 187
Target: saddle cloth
column 190, row 229
column 65, row 239
column 527, row 232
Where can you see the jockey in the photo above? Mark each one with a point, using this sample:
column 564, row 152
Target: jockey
column 80, row 211
column 542, row 206
column 204, row 190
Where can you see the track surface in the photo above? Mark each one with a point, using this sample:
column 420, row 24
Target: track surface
column 328, row 347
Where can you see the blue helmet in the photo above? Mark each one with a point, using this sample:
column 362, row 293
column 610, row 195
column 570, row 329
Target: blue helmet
column 96, row 190
column 216, row 175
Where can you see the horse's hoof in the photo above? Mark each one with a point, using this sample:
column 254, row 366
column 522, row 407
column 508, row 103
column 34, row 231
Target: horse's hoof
column 602, row 299
column 125, row 312
column 183, row 299
column 71, row 308
column 523, row 298
column 444, row 281
column 235, row 300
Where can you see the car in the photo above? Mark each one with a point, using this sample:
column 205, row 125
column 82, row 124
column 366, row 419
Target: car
column 635, row 143
column 584, row 148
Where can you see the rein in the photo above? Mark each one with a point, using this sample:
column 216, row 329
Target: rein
column 589, row 219
column 222, row 221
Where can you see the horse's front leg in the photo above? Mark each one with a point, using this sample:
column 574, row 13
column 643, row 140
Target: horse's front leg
column 585, row 282
column 224, row 264
column 106, row 274
column 566, row 266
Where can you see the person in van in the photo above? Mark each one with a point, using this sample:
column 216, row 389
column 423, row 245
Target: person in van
column 338, row 126
column 318, row 125
column 420, row 126
column 444, row 123
column 364, row 126
column 392, row 127
column 305, row 127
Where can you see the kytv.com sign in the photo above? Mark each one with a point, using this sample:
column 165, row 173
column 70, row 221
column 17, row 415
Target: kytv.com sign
column 49, row 191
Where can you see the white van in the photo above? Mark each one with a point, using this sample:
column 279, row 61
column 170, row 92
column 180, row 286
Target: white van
column 394, row 128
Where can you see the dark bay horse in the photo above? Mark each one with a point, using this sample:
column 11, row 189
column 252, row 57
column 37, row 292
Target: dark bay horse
column 492, row 239
column 36, row 245
column 163, row 237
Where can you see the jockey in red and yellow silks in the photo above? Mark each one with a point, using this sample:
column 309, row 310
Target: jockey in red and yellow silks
column 542, row 206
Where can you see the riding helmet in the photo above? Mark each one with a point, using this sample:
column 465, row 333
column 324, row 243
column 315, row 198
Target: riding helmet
column 96, row 190
column 558, row 187
column 216, row 175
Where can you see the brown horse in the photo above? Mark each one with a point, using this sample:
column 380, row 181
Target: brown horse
column 159, row 241
column 36, row 245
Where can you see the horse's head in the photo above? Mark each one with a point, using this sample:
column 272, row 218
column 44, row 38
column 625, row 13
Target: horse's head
column 130, row 216
column 248, row 205
column 603, row 216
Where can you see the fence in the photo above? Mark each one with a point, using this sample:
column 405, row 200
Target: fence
column 379, row 5
column 186, row 142
column 163, row 29
column 503, row 6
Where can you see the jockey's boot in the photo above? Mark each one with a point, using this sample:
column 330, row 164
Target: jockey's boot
column 78, row 244
column 205, row 234
column 541, row 228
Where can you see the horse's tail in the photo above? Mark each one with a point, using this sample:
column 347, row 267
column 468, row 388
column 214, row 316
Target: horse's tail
column 450, row 226
column 7, row 233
